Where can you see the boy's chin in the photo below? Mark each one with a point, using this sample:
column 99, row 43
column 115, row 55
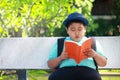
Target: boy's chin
column 77, row 40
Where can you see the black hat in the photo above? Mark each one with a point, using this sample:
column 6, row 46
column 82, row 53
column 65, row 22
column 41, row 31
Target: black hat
column 76, row 16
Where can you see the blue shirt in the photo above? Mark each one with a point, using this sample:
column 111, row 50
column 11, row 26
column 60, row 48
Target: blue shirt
column 71, row 62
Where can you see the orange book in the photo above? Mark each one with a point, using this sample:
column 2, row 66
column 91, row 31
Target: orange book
column 75, row 51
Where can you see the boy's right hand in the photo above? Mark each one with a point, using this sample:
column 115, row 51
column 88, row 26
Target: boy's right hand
column 64, row 55
column 53, row 63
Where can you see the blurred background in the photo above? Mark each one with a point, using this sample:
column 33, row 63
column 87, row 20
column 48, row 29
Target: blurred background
column 38, row 18
column 43, row 18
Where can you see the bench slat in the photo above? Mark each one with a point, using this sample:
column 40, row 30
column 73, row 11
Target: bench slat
column 32, row 52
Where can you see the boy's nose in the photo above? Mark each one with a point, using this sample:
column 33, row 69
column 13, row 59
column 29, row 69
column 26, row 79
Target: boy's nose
column 77, row 33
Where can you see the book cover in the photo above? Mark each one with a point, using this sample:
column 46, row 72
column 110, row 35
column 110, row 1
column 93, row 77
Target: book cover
column 75, row 51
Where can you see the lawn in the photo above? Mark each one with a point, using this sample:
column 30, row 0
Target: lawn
column 43, row 75
column 32, row 75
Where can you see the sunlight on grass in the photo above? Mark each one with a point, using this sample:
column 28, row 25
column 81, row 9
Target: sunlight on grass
column 31, row 74
column 37, row 75
column 43, row 75
column 110, row 77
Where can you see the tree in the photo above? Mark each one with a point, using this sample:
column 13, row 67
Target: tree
column 34, row 18
column 116, row 12
column 109, row 27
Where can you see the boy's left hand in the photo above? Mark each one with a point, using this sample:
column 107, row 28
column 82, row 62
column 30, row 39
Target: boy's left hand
column 89, row 53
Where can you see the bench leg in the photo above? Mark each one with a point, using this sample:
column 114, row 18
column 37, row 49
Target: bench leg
column 22, row 74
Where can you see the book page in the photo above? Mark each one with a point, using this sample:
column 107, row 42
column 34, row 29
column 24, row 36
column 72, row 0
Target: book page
column 87, row 44
column 72, row 49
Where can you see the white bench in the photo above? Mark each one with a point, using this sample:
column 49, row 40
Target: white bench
column 32, row 53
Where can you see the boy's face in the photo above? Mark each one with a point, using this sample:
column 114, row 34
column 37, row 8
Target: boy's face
column 76, row 31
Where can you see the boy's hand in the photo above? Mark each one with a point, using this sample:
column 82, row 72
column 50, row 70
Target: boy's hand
column 90, row 53
column 63, row 55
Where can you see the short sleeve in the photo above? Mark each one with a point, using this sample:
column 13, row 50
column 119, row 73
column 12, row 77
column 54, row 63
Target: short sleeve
column 99, row 49
column 53, row 52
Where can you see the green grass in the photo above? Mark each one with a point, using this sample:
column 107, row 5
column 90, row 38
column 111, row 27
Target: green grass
column 32, row 75
column 110, row 77
column 43, row 75
column 37, row 75
column 14, row 77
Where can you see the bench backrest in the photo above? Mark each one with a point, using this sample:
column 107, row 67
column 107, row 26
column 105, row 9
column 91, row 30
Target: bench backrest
column 32, row 52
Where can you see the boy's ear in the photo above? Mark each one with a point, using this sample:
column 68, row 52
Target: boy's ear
column 66, row 30
column 85, row 28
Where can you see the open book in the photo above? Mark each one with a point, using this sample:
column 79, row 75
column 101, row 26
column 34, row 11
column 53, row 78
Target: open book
column 75, row 51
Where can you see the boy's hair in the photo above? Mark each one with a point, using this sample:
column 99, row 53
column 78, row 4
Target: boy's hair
column 73, row 21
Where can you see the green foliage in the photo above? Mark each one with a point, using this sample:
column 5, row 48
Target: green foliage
column 35, row 18
column 106, row 28
column 116, row 12
column 27, row 18
column 82, row 6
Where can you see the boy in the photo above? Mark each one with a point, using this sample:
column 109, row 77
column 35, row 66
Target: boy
column 76, row 25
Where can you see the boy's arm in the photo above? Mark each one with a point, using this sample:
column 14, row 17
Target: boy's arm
column 53, row 63
column 100, row 60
